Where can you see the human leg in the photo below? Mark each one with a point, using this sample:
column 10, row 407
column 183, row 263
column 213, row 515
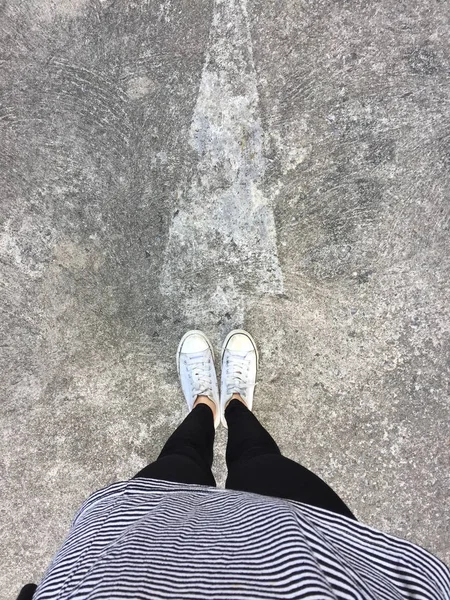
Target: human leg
column 255, row 464
column 188, row 454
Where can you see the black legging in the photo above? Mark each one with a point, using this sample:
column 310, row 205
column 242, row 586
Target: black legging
column 254, row 461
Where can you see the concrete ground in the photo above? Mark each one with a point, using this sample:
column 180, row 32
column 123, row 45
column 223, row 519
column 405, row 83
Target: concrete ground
column 281, row 165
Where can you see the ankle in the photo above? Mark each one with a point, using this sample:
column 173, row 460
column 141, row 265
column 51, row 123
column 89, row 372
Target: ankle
column 236, row 397
column 208, row 402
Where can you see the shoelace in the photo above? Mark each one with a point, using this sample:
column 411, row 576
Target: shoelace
column 237, row 367
column 199, row 369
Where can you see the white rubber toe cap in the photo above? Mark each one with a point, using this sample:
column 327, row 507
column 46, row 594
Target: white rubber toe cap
column 193, row 343
column 240, row 342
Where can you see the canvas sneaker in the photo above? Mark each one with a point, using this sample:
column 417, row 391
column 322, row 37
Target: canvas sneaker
column 195, row 364
column 239, row 368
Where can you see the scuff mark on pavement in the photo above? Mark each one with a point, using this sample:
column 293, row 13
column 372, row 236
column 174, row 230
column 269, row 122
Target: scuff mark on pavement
column 222, row 250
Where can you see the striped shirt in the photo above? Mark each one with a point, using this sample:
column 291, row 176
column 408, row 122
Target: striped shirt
column 146, row 539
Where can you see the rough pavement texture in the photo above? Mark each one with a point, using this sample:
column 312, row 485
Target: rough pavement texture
column 281, row 165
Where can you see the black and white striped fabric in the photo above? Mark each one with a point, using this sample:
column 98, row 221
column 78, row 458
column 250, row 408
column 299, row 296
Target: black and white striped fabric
column 148, row 539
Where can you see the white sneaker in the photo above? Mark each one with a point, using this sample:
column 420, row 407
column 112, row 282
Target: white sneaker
column 239, row 367
column 195, row 364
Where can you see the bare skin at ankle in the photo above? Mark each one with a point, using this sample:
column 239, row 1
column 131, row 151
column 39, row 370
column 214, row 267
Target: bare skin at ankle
column 212, row 406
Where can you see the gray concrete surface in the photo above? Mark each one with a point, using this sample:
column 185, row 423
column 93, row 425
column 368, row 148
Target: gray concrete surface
column 281, row 165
